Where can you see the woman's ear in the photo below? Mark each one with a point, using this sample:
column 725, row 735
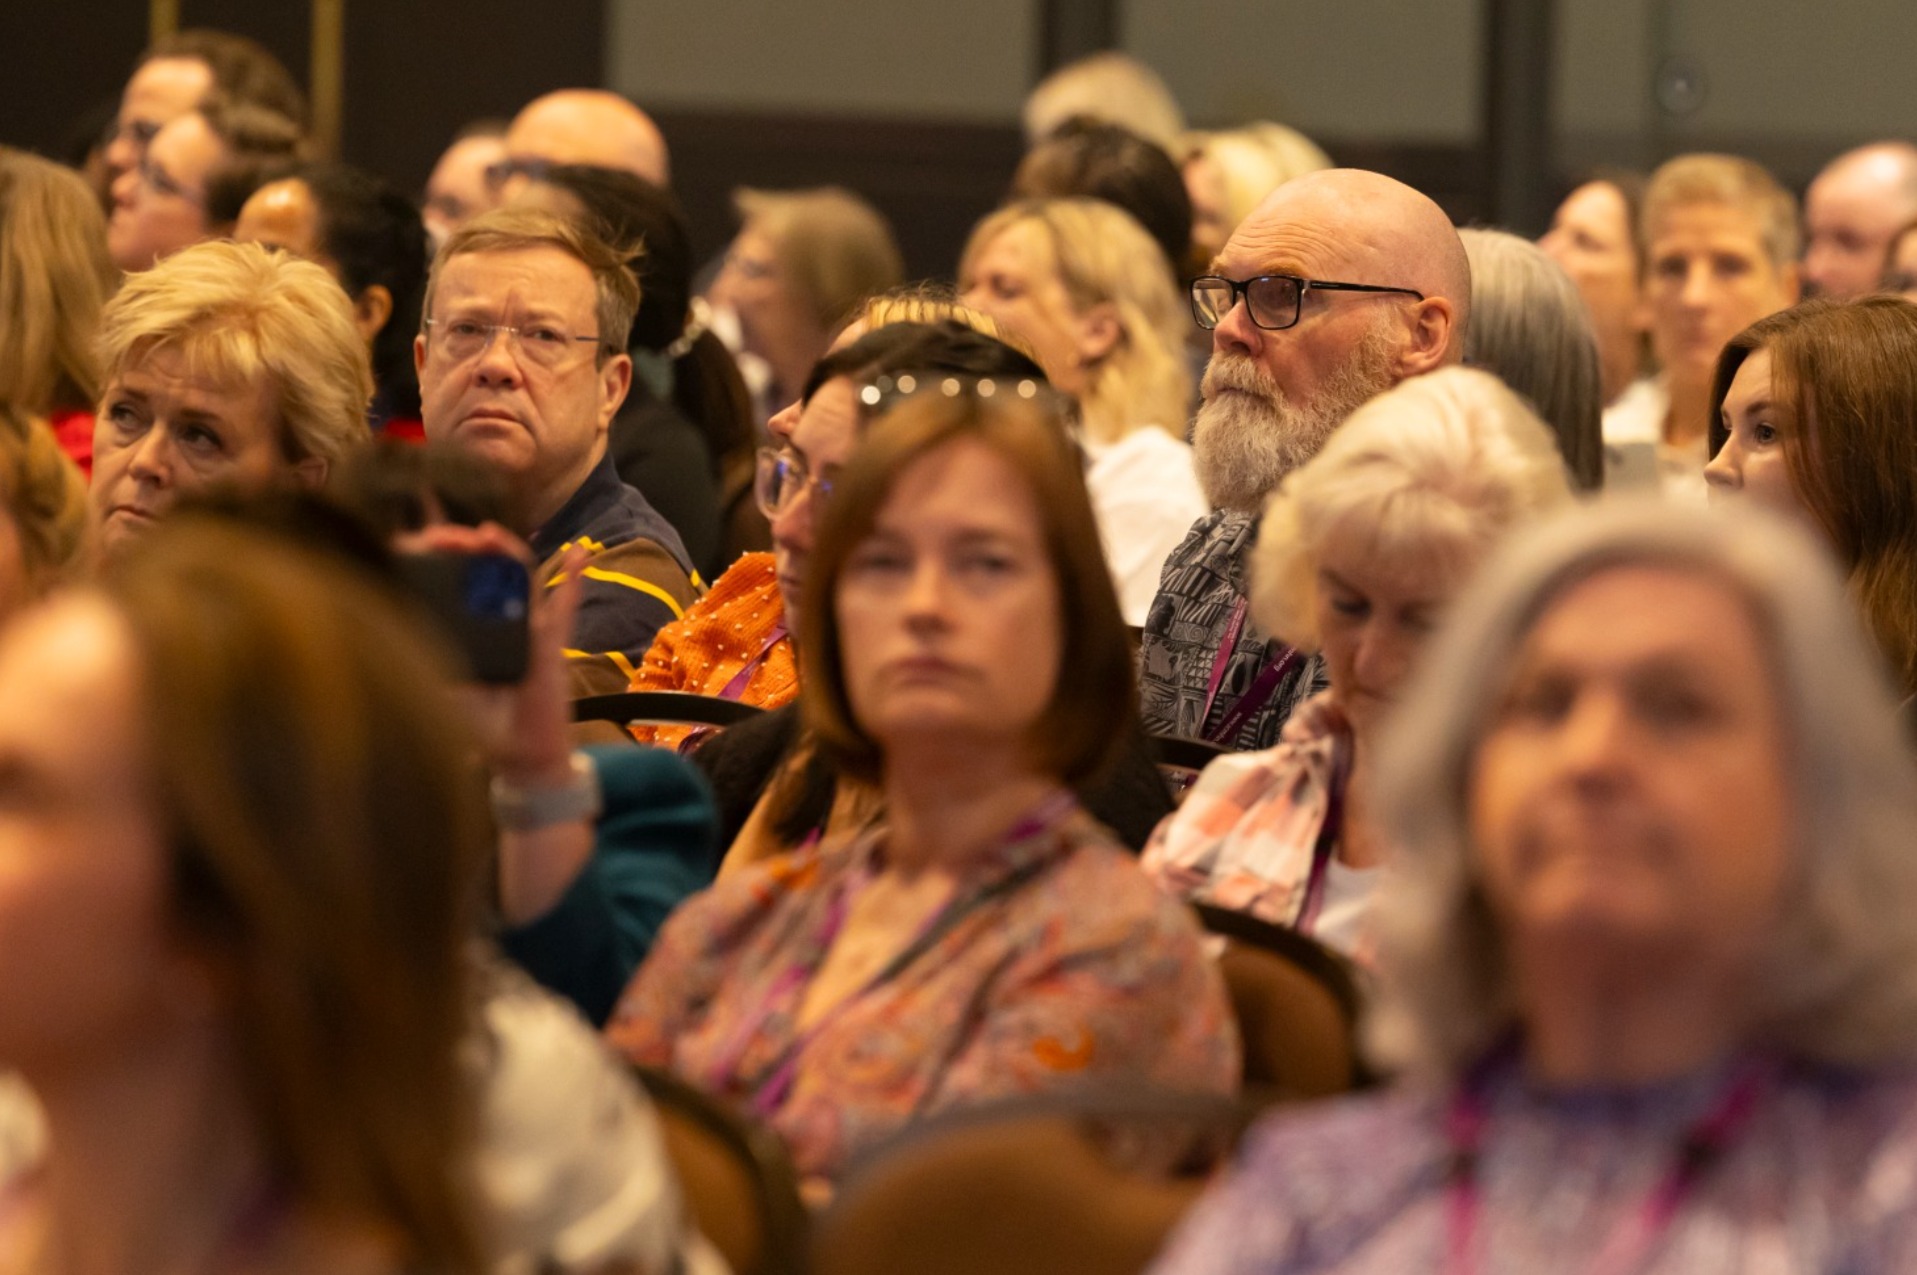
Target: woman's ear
column 371, row 309
column 1098, row 333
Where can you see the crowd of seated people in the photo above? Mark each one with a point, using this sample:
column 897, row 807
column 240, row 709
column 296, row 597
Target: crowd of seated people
column 1513, row 645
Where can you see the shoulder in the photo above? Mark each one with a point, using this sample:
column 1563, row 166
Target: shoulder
column 1131, row 908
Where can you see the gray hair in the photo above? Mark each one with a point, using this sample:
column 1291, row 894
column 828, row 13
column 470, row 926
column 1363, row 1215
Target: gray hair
column 1839, row 968
column 1438, row 465
column 1530, row 325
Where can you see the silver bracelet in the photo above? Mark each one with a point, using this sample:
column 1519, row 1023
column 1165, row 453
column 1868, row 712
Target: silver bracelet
column 529, row 809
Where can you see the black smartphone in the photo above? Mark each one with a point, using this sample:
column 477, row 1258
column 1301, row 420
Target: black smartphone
column 482, row 603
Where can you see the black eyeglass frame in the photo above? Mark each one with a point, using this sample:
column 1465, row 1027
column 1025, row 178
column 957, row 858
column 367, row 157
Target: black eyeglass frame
column 1241, row 291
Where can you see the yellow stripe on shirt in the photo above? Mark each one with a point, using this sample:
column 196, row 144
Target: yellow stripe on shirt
column 634, row 582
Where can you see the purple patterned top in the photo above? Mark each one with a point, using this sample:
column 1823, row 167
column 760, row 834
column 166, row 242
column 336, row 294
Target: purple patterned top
column 1822, row 1178
column 1074, row 968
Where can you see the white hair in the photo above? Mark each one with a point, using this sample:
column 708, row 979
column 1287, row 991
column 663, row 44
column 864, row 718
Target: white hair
column 1838, row 969
column 1435, row 469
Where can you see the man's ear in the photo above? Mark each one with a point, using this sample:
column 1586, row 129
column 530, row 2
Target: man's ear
column 615, row 379
column 371, row 309
column 419, row 354
column 1432, row 329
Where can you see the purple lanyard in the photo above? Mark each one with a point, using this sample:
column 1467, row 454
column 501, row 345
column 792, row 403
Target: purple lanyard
column 1256, row 696
column 1321, row 852
column 1702, row 1145
column 771, row 1095
column 740, row 680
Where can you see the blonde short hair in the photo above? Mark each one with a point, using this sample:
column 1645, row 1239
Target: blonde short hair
column 933, row 303
column 1440, row 466
column 835, row 248
column 1723, row 179
column 54, row 278
column 1838, row 971
column 44, row 496
column 1110, row 87
column 518, row 229
column 1104, row 257
column 239, row 314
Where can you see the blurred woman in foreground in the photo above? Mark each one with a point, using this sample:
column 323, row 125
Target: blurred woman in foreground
column 1647, row 957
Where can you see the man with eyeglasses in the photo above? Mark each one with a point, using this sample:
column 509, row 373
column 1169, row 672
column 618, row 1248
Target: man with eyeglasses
column 522, row 364
column 193, row 178
column 578, row 126
column 1337, row 287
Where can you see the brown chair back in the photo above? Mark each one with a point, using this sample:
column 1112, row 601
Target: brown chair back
column 737, row 1177
column 1297, row 1005
column 1051, row 1187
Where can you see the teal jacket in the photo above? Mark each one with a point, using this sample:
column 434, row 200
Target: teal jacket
column 657, row 843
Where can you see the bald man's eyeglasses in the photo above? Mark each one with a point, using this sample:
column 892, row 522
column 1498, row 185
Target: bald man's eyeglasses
column 497, row 175
column 1274, row 300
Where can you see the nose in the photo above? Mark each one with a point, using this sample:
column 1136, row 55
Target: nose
column 792, row 526
column 1384, row 653
column 152, row 460
column 1592, row 744
column 784, row 421
column 1724, row 474
column 1236, row 333
column 124, row 186
column 928, row 594
column 1697, row 280
column 498, row 362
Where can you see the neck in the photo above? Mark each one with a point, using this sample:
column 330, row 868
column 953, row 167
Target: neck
column 1659, row 1019
column 539, row 507
column 1690, row 415
column 152, row 1161
column 948, row 804
column 1618, row 362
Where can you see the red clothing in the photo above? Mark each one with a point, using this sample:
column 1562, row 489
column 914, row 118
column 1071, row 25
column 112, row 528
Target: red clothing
column 73, row 428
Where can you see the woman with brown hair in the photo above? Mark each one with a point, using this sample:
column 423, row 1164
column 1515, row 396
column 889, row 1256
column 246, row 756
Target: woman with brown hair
column 1814, row 412
column 54, row 278
column 240, row 850
column 43, row 510
column 985, row 937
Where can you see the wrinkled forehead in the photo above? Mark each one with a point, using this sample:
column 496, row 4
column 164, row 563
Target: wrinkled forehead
column 543, row 280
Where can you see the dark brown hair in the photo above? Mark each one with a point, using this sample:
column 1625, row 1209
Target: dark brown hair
column 1083, row 726
column 327, row 840
column 1844, row 372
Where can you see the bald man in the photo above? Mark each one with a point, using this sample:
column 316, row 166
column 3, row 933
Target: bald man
column 583, row 126
column 1337, row 287
column 1852, row 210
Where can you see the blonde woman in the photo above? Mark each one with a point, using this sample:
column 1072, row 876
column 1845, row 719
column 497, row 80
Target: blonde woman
column 1085, row 285
column 224, row 364
column 1360, row 552
column 1229, row 173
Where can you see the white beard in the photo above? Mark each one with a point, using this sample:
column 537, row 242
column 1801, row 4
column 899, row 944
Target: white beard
column 1245, row 443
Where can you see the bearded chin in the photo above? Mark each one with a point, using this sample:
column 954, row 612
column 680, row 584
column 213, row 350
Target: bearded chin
column 1245, row 444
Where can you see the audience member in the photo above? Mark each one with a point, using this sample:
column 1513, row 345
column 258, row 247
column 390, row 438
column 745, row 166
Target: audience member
column 1086, row 159
column 736, row 642
column 1076, row 278
column 522, row 363
column 1817, row 418
column 1851, row 210
column 43, row 517
column 579, row 126
column 1720, row 252
column 802, row 262
column 1530, row 327
column 1292, row 356
column 183, row 72
column 236, row 968
column 1594, row 236
column 224, row 364
column 54, row 277
column 456, row 191
column 1229, row 173
column 195, row 175
column 1646, row 954
column 369, row 237
column 684, row 434
column 1110, row 87
column 1900, row 264
column 964, row 661
column 1359, row 556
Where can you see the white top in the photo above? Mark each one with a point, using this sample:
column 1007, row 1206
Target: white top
column 1344, row 913
column 1146, row 496
column 1635, row 454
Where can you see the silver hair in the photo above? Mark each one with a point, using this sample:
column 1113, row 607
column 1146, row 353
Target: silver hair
column 1838, row 971
column 1438, row 467
column 1531, row 327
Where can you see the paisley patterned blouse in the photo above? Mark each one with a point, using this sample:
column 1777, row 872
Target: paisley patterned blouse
column 1056, row 963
